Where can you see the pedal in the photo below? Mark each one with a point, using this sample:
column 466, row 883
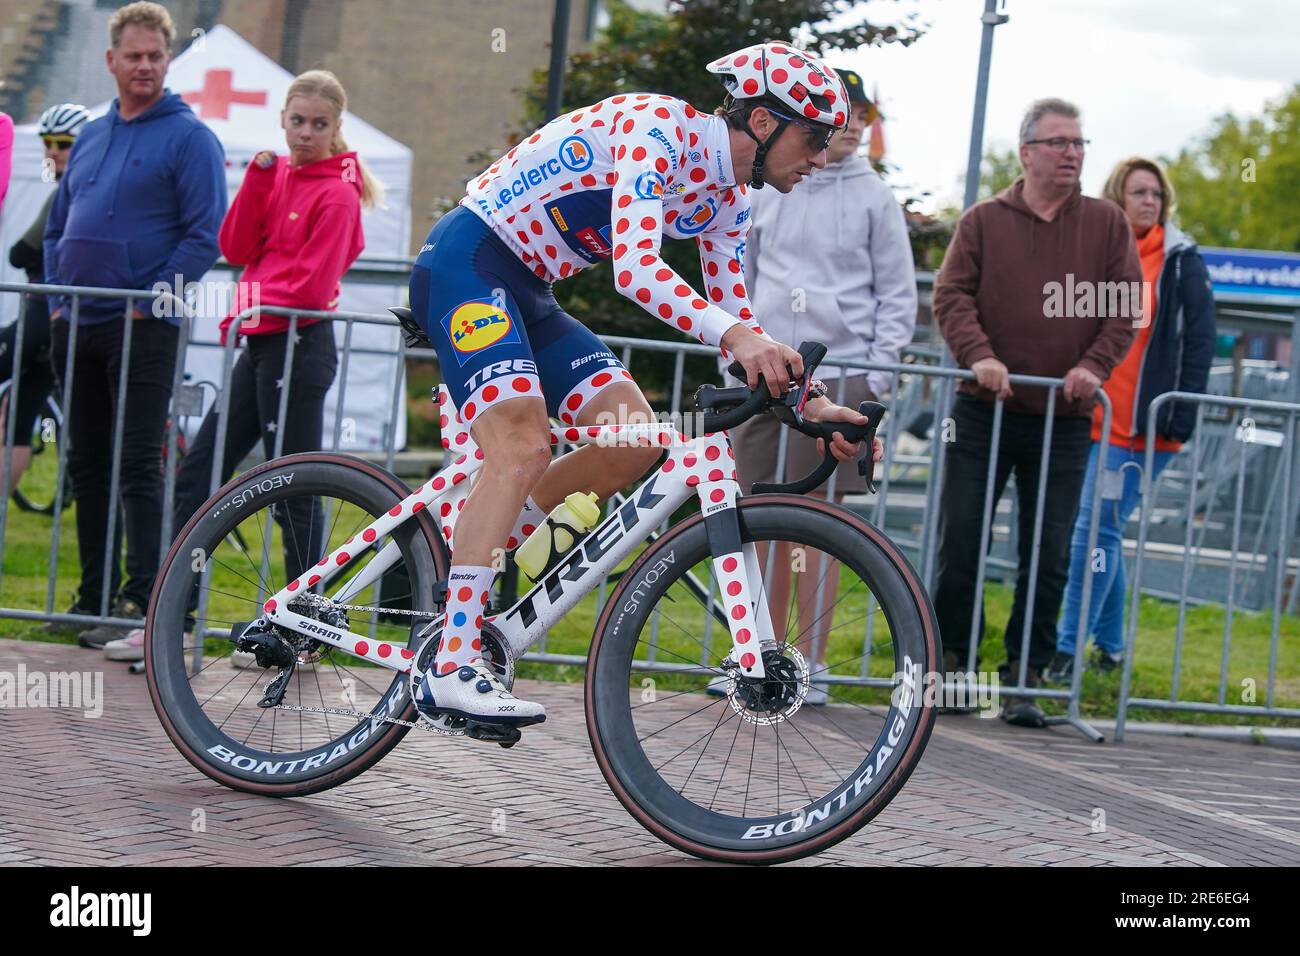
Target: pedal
column 503, row 734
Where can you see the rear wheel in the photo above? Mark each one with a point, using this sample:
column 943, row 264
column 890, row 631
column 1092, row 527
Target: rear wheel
column 755, row 772
column 258, row 532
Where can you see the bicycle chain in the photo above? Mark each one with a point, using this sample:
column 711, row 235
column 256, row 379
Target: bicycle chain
column 422, row 725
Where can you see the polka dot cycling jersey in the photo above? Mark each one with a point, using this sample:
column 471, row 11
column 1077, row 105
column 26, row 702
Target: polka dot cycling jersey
column 610, row 181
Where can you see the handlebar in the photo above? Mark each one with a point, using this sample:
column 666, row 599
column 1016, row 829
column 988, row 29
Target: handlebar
column 726, row 408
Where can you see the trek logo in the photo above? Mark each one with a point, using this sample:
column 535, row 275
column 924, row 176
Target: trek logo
column 575, row 154
column 699, row 219
column 477, row 325
column 510, row 367
column 650, row 186
column 658, row 134
column 580, row 560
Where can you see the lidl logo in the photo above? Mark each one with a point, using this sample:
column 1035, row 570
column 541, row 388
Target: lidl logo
column 650, row 186
column 699, row 219
column 575, row 154
column 477, row 325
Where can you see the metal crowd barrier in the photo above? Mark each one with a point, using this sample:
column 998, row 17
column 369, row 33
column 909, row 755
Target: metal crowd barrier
column 1277, row 571
column 76, row 293
column 908, row 478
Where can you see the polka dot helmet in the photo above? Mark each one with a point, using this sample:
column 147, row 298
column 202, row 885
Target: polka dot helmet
column 779, row 73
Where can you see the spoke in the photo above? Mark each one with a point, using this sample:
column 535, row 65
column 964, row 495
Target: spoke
column 722, row 717
column 781, row 745
column 698, row 667
column 335, row 664
column 329, row 730
column 712, row 703
column 260, row 716
column 251, row 687
column 725, row 764
column 750, row 775
column 215, row 560
column 813, row 748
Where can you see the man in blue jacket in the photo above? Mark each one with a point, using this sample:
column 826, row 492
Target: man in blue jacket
column 141, row 203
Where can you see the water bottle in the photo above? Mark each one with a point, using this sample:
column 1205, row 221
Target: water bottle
column 561, row 530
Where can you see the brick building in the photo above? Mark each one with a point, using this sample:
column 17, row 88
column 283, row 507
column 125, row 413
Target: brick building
column 443, row 76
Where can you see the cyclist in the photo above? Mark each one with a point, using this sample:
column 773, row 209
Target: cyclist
column 608, row 181
column 58, row 129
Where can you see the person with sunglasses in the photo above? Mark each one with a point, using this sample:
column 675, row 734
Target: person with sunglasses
column 58, row 128
column 607, row 182
column 996, row 308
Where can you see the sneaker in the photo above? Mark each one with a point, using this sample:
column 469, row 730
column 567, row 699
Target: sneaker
column 1022, row 711
column 100, row 635
column 1060, row 670
column 474, row 692
column 1105, row 660
column 67, row 628
column 129, row 648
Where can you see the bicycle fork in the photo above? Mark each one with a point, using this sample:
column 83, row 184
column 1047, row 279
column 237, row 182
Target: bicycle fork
column 739, row 575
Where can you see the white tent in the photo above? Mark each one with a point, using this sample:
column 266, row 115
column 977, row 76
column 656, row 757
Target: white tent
column 238, row 92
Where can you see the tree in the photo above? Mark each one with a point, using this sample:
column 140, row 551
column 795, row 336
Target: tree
column 1239, row 184
column 655, row 53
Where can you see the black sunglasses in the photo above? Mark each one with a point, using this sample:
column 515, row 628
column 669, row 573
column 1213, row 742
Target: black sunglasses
column 819, row 137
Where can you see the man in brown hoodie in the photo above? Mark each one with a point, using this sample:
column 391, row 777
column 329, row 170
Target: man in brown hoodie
column 1028, row 287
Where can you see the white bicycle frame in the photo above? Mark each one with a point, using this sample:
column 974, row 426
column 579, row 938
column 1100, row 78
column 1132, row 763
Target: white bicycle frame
column 702, row 466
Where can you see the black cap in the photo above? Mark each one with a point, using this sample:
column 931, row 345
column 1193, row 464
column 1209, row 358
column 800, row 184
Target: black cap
column 853, row 83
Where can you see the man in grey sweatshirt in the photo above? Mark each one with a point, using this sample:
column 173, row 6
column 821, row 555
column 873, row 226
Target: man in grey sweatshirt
column 831, row 263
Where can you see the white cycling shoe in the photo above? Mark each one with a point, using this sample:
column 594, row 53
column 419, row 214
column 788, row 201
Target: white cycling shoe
column 474, row 692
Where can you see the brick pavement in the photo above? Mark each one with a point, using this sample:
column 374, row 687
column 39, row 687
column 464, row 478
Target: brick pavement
column 113, row 790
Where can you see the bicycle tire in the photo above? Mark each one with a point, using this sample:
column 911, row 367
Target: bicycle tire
column 238, row 765
column 639, row 785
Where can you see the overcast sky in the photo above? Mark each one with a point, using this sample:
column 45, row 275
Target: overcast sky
column 1149, row 76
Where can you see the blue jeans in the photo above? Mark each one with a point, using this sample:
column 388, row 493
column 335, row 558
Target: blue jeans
column 1106, row 603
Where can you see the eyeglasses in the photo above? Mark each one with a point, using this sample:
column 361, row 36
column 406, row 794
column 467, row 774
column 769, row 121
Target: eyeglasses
column 1059, row 143
column 819, row 137
column 58, row 142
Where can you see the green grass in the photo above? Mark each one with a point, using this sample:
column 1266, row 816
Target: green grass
column 26, row 557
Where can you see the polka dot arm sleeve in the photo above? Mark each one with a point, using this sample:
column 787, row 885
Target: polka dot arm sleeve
column 722, row 260
column 643, row 167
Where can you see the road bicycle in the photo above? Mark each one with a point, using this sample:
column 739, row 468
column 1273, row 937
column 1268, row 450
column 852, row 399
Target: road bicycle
column 339, row 593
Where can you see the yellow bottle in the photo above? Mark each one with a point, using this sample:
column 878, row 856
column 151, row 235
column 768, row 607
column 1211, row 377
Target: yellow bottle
column 561, row 530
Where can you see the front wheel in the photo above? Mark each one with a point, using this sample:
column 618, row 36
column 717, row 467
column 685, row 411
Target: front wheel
column 767, row 771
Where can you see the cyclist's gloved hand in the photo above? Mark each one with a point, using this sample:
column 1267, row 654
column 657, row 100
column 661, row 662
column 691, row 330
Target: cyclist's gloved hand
column 760, row 356
column 822, row 410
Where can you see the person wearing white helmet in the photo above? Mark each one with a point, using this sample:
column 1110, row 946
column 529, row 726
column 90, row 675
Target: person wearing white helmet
column 610, row 182
column 58, row 128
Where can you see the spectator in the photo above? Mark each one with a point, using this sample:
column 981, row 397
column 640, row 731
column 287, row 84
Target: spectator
column 829, row 263
column 58, row 130
column 292, row 261
column 992, row 300
column 1172, row 352
column 139, row 205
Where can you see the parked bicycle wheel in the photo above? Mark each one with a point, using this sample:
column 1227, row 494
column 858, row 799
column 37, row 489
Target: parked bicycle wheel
column 758, row 775
column 258, row 531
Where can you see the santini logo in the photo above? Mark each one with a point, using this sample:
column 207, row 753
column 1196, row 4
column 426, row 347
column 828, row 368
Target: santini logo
column 102, row 909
